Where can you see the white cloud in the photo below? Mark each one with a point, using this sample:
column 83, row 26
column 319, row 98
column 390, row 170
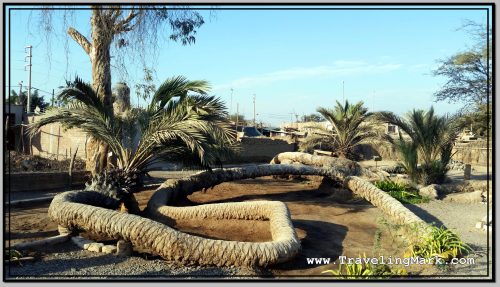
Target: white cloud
column 339, row 68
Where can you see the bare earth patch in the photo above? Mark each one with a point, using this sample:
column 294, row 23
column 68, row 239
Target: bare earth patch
column 329, row 223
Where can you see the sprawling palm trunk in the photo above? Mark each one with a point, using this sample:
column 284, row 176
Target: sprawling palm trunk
column 92, row 211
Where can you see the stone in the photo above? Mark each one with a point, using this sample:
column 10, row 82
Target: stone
column 432, row 191
column 479, row 225
column 64, row 230
column 95, row 247
column 124, row 248
column 108, row 249
column 81, row 242
column 465, row 197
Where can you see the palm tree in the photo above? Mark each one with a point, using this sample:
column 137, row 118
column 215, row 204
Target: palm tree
column 181, row 123
column 349, row 129
column 431, row 139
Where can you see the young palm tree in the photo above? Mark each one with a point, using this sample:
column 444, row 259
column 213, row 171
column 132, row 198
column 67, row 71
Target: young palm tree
column 349, row 129
column 181, row 123
column 431, row 139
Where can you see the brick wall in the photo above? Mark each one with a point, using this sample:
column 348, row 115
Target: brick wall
column 262, row 149
column 55, row 142
column 475, row 153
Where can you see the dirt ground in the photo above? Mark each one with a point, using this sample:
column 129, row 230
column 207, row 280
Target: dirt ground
column 19, row 162
column 329, row 222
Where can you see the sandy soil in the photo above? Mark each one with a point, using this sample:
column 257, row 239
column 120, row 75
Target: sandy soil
column 329, row 222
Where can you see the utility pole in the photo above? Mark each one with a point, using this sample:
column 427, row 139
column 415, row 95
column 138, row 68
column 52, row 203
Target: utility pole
column 52, row 100
column 231, row 103
column 237, row 115
column 29, row 56
column 254, row 110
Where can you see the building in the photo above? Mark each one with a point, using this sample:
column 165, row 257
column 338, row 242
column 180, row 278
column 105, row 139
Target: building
column 14, row 117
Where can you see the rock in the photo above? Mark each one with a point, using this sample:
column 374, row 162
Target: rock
column 465, row 197
column 26, row 164
column 63, row 230
column 95, row 247
column 433, row 191
column 108, row 249
column 479, row 225
column 124, row 248
column 81, row 242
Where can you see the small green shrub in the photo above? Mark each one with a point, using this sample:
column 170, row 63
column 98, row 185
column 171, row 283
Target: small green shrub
column 12, row 254
column 435, row 172
column 401, row 192
column 441, row 243
column 365, row 271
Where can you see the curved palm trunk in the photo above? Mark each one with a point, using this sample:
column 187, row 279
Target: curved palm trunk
column 88, row 210
column 75, row 210
column 174, row 189
column 341, row 167
column 381, row 199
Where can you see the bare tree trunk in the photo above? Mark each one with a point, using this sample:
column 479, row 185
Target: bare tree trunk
column 99, row 53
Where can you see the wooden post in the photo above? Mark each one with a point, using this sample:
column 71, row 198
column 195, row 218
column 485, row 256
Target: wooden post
column 58, row 139
column 71, row 163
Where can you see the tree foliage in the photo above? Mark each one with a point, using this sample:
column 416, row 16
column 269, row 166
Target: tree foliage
column 36, row 100
column 136, row 33
column 175, row 126
column 469, row 79
column 350, row 128
column 312, row 118
column 121, row 30
column 428, row 149
column 146, row 88
column 468, row 73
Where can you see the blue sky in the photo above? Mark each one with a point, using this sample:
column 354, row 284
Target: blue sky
column 292, row 60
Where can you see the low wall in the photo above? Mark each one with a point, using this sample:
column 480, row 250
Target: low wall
column 35, row 181
column 262, row 149
column 475, row 153
column 53, row 141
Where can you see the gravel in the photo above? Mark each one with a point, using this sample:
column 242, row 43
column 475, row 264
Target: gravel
column 69, row 262
column 461, row 218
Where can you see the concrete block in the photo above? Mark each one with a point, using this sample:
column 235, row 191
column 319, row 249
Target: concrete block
column 95, row 247
column 81, row 242
column 109, row 249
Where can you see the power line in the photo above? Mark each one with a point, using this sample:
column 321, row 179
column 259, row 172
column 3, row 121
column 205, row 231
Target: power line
column 34, row 88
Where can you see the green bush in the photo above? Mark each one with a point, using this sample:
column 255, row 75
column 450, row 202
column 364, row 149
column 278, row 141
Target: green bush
column 365, row 271
column 435, row 172
column 401, row 192
column 12, row 254
column 441, row 243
